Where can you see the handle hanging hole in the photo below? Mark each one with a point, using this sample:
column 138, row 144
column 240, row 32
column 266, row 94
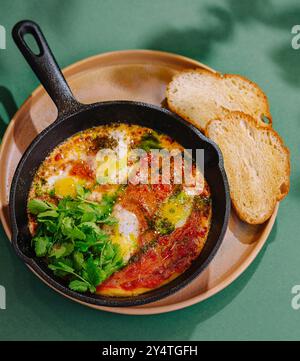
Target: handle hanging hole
column 32, row 44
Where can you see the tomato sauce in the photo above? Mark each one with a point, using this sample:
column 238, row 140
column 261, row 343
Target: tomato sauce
column 171, row 256
column 82, row 170
column 143, row 200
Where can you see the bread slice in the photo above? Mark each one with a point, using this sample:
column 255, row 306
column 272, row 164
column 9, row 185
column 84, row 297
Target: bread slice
column 201, row 95
column 256, row 162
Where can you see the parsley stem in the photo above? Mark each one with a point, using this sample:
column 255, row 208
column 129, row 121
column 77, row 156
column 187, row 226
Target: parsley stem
column 81, row 278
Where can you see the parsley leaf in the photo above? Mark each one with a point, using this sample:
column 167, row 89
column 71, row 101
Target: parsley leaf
column 78, row 260
column 60, row 266
column 92, row 271
column 37, row 206
column 79, row 286
column 69, row 229
column 61, row 250
column 71, row 238
column 41, row 245
column 51, row 214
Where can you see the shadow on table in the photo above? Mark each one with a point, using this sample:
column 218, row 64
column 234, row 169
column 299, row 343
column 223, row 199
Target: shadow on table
column 288, row 60
column 247, row 233
column 196, row 42
column 281, row 18
column 45, row 19
column 50, row 12
column 9, row 105
column 71, row 321
column 218, row 23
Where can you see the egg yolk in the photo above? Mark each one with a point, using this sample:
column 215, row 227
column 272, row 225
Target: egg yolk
column 176, row 210
column 65, row 187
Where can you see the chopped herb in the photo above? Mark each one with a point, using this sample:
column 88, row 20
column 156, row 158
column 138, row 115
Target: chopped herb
column 51, row 193
column 150, row 141
column 36, row 206
column 143, row 250
column 103, row 142
column 70, row 239
column 201, row 202
column 164, row 226
column 41, row 245
column 79, row 286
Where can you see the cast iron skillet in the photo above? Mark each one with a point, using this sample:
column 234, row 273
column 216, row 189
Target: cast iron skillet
column 74, row 117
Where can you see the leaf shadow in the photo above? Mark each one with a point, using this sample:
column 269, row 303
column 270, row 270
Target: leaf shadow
column 196, row 42
column 220, row 23
column 9, row 105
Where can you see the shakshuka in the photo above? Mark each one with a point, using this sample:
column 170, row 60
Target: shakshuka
column 111, row 232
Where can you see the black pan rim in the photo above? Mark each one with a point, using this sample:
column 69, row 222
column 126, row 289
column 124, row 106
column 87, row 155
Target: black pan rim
column 104, row 300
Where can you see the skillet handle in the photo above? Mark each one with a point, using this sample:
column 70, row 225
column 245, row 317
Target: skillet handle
column 45, row 67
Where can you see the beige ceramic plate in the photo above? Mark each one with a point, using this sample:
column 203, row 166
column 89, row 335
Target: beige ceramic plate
column 132, row 75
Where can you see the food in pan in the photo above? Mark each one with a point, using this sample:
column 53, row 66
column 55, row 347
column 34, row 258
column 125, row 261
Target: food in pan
column 115, row 238
column 234, row 112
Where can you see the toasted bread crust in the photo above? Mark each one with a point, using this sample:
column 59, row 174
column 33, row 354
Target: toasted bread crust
column 264, row 111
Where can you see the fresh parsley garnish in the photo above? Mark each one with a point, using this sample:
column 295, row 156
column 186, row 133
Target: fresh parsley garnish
column 70, row 238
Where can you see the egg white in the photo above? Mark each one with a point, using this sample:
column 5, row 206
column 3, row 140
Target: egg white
column 126, row 231
column 61, row 174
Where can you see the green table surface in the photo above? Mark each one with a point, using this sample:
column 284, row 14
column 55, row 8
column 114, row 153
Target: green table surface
column 252, row 38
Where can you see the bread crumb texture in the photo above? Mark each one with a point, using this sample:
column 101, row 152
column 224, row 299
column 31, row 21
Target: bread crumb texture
column 201, row 95
column 257, row 164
